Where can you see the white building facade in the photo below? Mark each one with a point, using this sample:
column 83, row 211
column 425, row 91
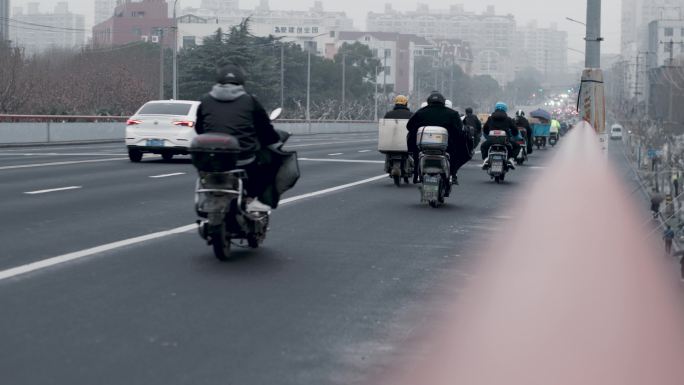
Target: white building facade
column 666, row 42
column 59, row 29
column 311, row 28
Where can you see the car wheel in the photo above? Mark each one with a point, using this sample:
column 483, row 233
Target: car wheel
column 167, row 156
column 135, row 155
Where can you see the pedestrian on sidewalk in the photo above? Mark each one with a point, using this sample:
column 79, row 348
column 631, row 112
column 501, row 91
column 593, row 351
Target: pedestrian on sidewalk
column 656, row 199
column 668, row 237
column 675, row 183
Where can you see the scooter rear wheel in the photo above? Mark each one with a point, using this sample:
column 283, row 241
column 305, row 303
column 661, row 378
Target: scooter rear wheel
column 220, row 242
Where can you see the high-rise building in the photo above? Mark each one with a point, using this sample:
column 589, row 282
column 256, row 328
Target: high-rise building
column 59, row 29
column 4, row 20
column 544, row 49
column 492, row 36
column 104, row 9
column 637, row 50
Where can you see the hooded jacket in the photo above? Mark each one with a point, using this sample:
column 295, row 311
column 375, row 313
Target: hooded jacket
column 499, row 120
column 231, row 110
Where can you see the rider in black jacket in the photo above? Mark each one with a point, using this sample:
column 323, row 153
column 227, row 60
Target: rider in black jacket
column 229, row 109
column 521, row 121
column 473, row 121
column 499, row 120
column 401, row 110
column 437, row 114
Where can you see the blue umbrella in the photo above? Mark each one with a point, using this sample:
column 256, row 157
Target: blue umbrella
column 541, row 114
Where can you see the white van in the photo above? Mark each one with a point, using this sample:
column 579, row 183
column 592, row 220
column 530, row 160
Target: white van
column 616, row 131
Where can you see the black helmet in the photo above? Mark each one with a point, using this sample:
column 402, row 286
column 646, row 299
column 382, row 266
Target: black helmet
column 436, row 98
column 469, row 110
column 230, row 74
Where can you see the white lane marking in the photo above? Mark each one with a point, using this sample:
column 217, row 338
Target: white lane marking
column 478, row 152
column 536, row 167
column 167, row 175
column 364, row 150
column 329, row 143
column 53, row 190
column 39, row 265
column 341, row 160
column 332, row 189
column 336, row 154
column 59, row 163
column 62, row 154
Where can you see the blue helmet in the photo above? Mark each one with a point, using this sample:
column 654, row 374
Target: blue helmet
column 501, row 106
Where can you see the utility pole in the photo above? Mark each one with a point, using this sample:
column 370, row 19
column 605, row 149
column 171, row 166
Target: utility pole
column 308, row 87
column 636, row 80
column 282, row 75
column 384, row 77
column 344, row 77
column 376, row 94
column 175, row 52
column 161, row 63
column 593, row 38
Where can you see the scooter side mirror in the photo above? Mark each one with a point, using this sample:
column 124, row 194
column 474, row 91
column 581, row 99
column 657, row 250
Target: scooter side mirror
column 275, row 113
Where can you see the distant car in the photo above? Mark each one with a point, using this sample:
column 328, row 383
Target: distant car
column 164, row 127
column 616, row 131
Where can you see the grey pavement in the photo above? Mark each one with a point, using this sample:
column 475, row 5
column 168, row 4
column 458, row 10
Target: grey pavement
column 341, row 282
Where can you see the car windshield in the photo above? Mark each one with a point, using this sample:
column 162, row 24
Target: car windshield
column 165, row 109
column 617, row 129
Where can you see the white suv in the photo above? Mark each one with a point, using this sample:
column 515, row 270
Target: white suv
column 164, row 127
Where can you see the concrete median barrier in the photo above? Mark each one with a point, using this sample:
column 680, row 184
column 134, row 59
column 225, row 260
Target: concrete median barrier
column 17, row 133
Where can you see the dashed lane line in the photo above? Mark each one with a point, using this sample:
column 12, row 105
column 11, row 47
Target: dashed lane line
column 40, row 265
column 167, row 175
column 364, row 151
column 336, row 154
column 53, row 190
column 341, row 160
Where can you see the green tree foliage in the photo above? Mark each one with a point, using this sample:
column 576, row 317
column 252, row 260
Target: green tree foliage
column 260, row 58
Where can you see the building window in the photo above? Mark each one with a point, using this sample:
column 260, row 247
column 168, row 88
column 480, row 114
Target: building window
column 189, row 41
column 387, row 70
column 669, row 32
column 138, row 14
column 388, row 53
column 366, row 38
column 314, row 29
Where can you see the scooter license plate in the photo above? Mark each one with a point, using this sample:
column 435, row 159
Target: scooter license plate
column 497, row 167
column 155, row 142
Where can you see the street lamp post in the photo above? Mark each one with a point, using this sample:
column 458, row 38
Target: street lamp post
column 175, row 52
column 308, row 87
column 308, row 79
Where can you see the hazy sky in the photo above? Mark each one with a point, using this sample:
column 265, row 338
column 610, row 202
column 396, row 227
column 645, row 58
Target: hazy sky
column 524, row 11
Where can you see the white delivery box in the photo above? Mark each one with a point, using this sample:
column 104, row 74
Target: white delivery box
column 392, row 135
column 432, row 138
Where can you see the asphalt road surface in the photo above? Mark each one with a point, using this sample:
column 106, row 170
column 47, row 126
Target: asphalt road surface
column 341, row 281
